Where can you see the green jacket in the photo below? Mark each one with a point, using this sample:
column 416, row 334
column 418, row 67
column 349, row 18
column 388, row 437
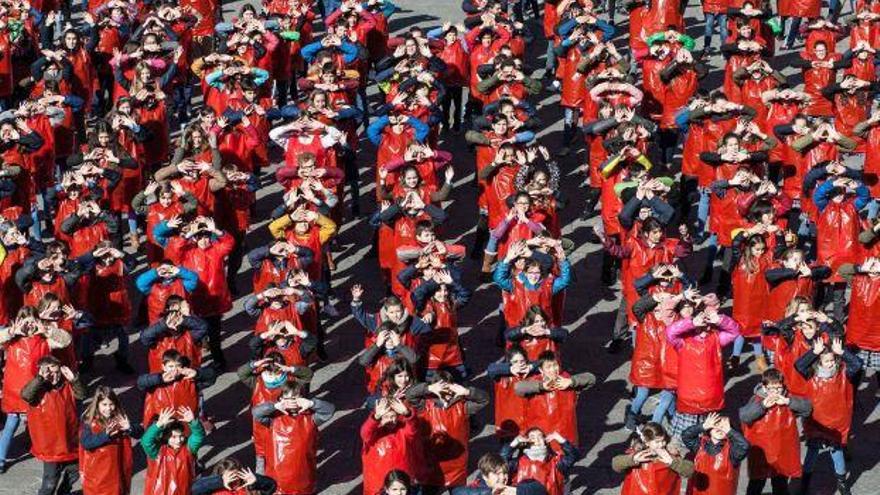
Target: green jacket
column 151, row 441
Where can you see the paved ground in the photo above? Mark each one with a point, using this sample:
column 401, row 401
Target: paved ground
column 589, row 316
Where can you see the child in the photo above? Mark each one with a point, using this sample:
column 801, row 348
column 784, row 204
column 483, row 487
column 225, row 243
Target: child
column 494, row 479
column 719, row 452
column 171, row 454
column 24, row 343
column 651, row 467
column 699, row 340
column 52, row 423
column 230, row 478
column 510, row 408
column 445, row 409
column 266, row 377
column 177, row 329
column 531, row 456
column 770, row 425
column 177, row 385
column 291, row 456
column 105, row 457
column 553, row 397
column 389, row 439
column 833, row 375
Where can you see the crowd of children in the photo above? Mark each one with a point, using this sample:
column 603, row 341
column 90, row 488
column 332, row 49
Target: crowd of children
column 135, row 138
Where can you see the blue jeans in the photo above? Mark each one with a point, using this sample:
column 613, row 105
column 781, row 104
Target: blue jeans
column 837, row 458
column 740, row 342
column 793, row 30
column 12, row 421
column 873, row 208
column 711, row 20
column 703, row 210
column 550, row 64
column 665, row 406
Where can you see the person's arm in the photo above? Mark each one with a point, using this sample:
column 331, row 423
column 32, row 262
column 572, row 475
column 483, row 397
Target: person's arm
column 682, row 467
column 739, row 446
column 676, row 332
column 196, row 437
column 804, row 364
column 690, row 437
column 149, row 381
column 623, row 463
column 33, row 391
column 728, row 330
column 151, row 441
column 322, row 411
column 151, row 334
column 90, row 440
column 502, row 277
column 562, row 281
column 583, row 381
column 854, row 365
column 528, row 388
column 752, row 411
column 800, row 406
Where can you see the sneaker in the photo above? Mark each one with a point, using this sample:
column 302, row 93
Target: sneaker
column 630, row 420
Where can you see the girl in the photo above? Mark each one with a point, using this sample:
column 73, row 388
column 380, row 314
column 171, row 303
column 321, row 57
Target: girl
column 770, row 425
column 105, row 460
column 171, row 454
column 293, row 420
column 719, row 452
column 230, row 478
column 651, row 466
column 750, row 294
column 832, row 374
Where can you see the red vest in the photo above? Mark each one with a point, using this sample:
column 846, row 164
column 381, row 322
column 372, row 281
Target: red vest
column 700, row 375
column 54, row 427
column 713, row 474
column 106, row 470
column 775, row 445
column 291, row 456
column 171, row 473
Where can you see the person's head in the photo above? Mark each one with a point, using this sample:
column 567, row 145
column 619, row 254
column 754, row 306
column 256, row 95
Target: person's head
column 518, row 360
column 744, row 30
column 534, row 316
column 410, row 177
column 271, row 373
column 650, row 436
column 49, row 367
column 652, row 230
column 755, row 247
column 792, row 258
column 291, row 389
column 500, row 125
column 248, row 90
column 522, row 202
column 798, row 304
column 396, row 482
column 820, row 50
column 173, row 361
column 548, row 365
column 410, row 46
column 104, row 135
column 12, row 236
column 828, row 363
column 773, row 382
column 399, row 375
column 533, row 271
column 425, row 232
column 104, row 405
column 393, row 309
column 70, row 40
column 174, row 435
column 762, row 212
column 228, row 464
column 729, row 143
column 165, row 194
column 493, row 469
column 50, row 307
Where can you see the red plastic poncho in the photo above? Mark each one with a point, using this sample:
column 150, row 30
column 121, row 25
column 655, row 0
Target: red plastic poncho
column 775, row 444
column 54, row 427
column 713, row 474
column 291, row 456
column 106, row 470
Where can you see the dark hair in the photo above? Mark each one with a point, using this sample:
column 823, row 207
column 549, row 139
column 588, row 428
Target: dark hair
column 491, row 463
column 532, row 312
column 649, row 431
column 396, row 476
column 772, row 375
column 514, row 350
column 226, row 464
column 172, row 355
column 546, row 357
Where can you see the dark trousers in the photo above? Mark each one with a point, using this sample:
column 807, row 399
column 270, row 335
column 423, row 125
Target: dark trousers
column 58, row 477
column 454, row 95
column 215, row 341
column 778, row 483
